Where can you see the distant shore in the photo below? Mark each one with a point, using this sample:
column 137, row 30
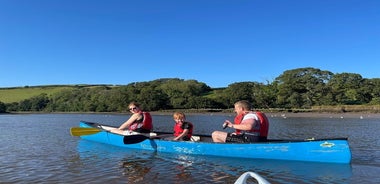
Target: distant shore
column 326, row 115
column 359, row 115
column 292, row 114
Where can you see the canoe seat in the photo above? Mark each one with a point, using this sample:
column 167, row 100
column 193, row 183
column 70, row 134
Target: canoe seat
column 195, row 138
column 151, row 134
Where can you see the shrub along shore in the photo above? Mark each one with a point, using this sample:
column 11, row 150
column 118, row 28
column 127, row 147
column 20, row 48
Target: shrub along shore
column 315, row 109
column 348, row 111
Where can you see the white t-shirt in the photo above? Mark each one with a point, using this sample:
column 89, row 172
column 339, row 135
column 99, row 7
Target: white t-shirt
column 252, row 115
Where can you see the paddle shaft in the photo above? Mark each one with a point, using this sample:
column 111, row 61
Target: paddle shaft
column 79, row 131
column 128, row 139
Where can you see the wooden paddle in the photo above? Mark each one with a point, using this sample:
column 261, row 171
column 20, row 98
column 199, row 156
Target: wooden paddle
column 79, row 131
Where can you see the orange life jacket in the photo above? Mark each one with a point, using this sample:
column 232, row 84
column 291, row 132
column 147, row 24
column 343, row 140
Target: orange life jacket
column 145, row 123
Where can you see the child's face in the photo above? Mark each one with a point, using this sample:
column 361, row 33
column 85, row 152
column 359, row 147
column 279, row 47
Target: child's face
column 179, row 120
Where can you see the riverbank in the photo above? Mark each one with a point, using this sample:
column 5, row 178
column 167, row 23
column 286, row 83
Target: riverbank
column 289, row 115
column 359, row 115
column 326, row 115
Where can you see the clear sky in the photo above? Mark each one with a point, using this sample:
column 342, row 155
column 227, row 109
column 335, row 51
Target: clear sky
column 218, row 42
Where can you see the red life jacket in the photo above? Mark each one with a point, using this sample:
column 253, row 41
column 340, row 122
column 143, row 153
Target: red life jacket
column 264, row 124
column 261, row 130
column 178, row 129
column 238, row 119
column 145, row 123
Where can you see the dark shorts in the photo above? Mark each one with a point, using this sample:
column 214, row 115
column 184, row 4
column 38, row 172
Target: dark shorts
column 141, row 130
column 243, row 138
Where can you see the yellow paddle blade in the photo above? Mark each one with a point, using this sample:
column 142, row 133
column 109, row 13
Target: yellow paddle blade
column 79, row 131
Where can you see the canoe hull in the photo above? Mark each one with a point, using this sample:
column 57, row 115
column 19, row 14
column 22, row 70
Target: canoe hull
column 323, row 150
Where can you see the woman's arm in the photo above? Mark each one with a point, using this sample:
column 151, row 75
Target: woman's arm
column 132, row 119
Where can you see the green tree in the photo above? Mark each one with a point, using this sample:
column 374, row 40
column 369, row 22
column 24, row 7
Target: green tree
column 39, row 102
column 372, row 86
column 67, row 100
column 302, row 87
column 152, row 98
column 10, row 107
column 265, row 95
column 25, row 105
column 239, row 91
column 180, row 91
column 347, row 88
column 3, row 108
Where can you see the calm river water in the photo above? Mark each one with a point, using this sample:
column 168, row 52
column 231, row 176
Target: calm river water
column 38, row 148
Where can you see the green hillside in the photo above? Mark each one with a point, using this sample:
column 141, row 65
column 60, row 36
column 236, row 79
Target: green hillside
column 9, row 95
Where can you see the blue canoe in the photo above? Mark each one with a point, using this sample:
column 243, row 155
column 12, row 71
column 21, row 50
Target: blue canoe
column 334, row 150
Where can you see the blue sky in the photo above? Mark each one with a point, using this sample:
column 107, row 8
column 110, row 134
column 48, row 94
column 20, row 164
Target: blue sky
column 218, row 42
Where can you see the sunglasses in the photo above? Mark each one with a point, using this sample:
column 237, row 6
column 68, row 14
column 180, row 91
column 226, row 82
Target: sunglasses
column 133, row 108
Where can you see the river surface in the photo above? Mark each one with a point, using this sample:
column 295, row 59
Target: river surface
column 38, row 148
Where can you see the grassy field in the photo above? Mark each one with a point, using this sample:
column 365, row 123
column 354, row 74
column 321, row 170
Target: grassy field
column 16, row 94
column 8, row 95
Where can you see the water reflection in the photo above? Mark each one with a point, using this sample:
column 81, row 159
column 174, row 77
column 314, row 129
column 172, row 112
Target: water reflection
column 135, row 170
column 113, row 163
column 183, row 174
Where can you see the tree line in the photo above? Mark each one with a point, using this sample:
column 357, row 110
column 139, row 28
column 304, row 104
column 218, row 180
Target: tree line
column 300, row 88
